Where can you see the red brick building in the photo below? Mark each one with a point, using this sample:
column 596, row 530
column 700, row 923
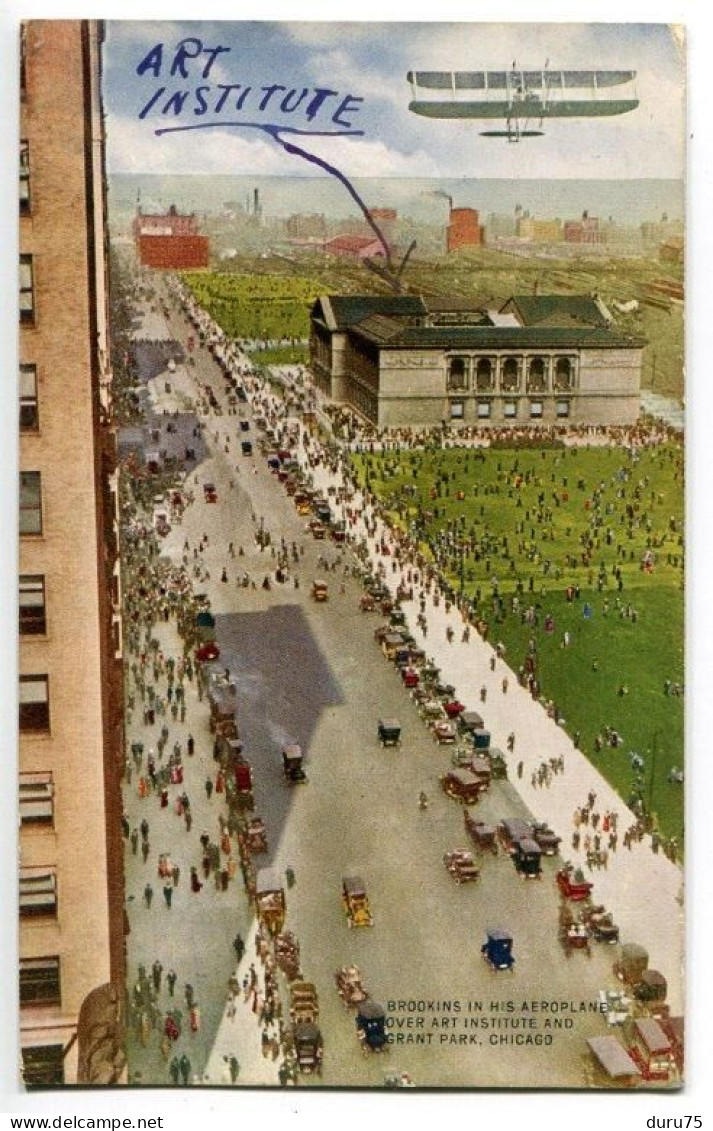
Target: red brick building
column 464, row 229
column 170, row 240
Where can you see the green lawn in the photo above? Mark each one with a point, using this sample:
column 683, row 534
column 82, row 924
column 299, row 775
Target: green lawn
column 509, row 496
column 256, row 306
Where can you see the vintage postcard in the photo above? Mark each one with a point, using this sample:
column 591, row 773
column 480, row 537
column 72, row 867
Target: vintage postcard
column 351, row 595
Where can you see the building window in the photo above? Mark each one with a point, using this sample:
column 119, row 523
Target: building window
column 458, row 373
column 25, row 202
column 510, row 409
column 38, row 891
column 564, row 374
column 37, row 798
column 23, row 60
column 30, row 502
column 562, row 408
column 40, row 981
column 34, row 704
column 43, row 1066
column 510, row 375
column 484, row 375
column 483, row 410
column 27, row 290
column 457, row 410
column 537, row 375
column 535, row 409
column 29, row 412
column 33, row 620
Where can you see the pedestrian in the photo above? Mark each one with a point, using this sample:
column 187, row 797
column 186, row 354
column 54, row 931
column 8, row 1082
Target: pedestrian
column 483, row 693
column 196, row 884
column 195, row 1018
column 209, row 787
column 174, row 1069
column 189, row 994
column 156, row 972
column 175, row 875
column 185, row 1069
column 144, row 829
column 520, row 768
column 234, row 1068
column 171, row 981
column 168, row 893
column 134, row 841
column 148, row 895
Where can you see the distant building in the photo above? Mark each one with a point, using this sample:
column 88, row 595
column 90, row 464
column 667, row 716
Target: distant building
column 357, row 247
column 539, row 231
column 464, row 229
column 537, row 360
column 169, row 240
column 312, row 226
column 671, row 250
column 585, row 230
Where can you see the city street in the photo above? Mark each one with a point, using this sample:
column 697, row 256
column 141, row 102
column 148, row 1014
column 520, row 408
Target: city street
column 312, row 673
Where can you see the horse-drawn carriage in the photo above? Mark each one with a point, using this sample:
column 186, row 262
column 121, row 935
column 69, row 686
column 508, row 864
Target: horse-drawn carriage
column 304, row 1004
column 256, row 836
column 287, row 954
column 270, row 900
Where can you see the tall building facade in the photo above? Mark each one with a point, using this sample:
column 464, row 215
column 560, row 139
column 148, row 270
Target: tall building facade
column 70, row 714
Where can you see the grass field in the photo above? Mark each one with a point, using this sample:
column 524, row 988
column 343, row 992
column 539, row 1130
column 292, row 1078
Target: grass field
column 510, row 495
column 256, row 306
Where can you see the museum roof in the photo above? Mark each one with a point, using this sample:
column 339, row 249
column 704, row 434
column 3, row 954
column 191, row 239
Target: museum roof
column 491, row 337
column 342, row 311
column 543, row 308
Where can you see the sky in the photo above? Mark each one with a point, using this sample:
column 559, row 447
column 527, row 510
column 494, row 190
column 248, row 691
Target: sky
column 369, row 61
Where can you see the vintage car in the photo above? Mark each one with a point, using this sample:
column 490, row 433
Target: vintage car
column 256, row 836
column 270, row 899
column 601, row 924
column 207, row 652
column 651, row 989
column 349, row 986
column 316, row 529
column 481, row 771
column 512, row 830
column 497, row 949
column 371, row 1027
column 572, row 884
column 453, row 708
column 498, row 764
column 527, row 858
column 244, row 426
column 548, row 841
column 309, row 1048
column 338, row 533
column 410, row 677
column 304, row 1005
column 631, row 964
column 292, row 759
column 461, row 786
column 209, row 493
column 651, row 1049
column 320, row 590
column 461, row 866
column 444, row 732
column 389, row 732
column 355, row 902
column 484, row 836
column 469, row 721
column 246, row 448
column 367, row 604
column 481, row 738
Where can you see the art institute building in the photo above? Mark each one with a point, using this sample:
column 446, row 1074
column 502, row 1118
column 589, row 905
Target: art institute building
column 403, row 360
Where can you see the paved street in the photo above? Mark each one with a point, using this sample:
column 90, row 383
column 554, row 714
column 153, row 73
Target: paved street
column 312, row 673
